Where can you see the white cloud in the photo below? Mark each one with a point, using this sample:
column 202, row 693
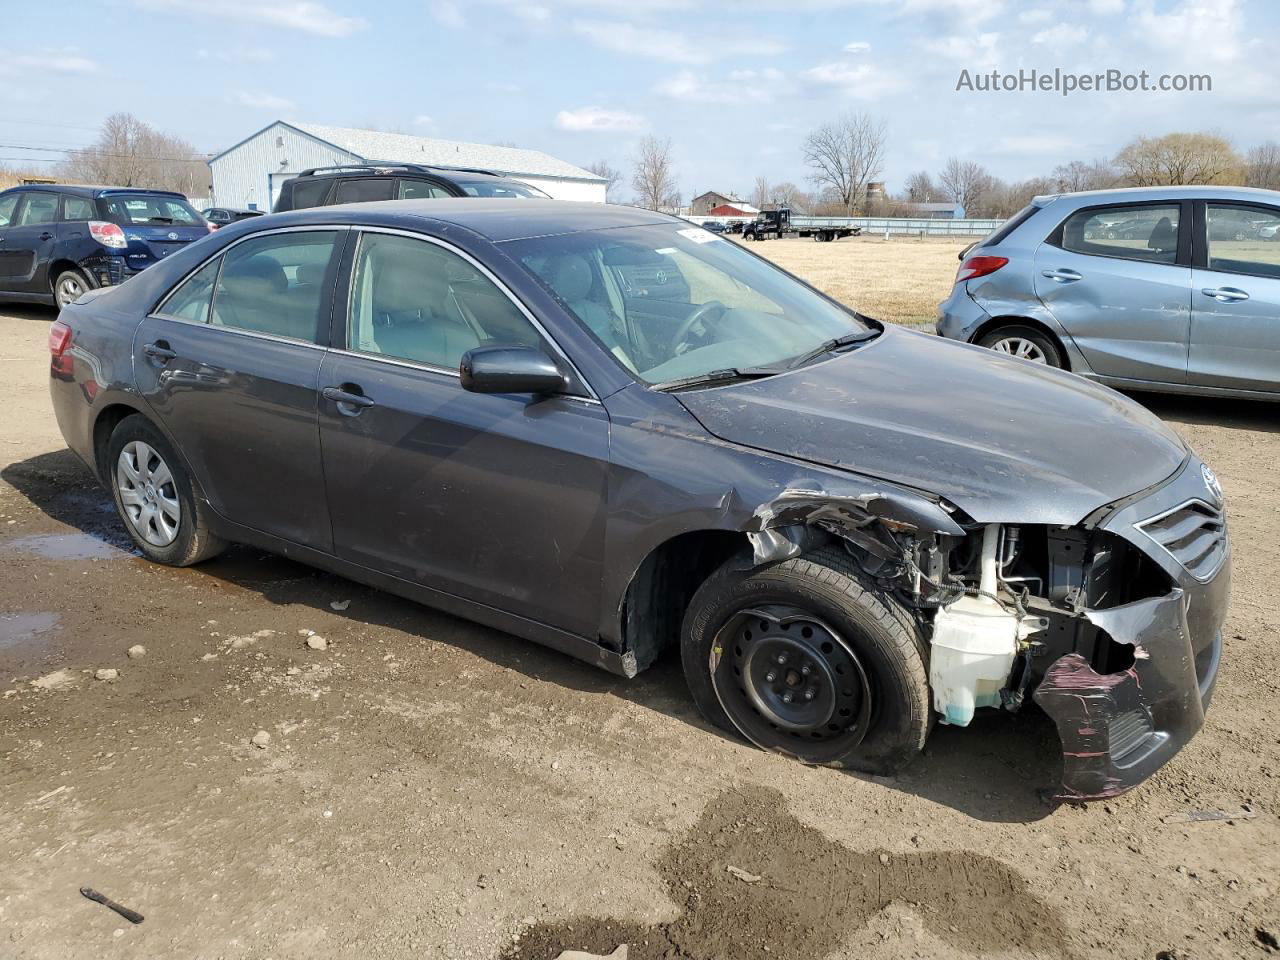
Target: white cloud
column 263, row 101
column 1035, row 15
column 668, row 44
column 978, row 51
column 742, row 86
column 1062, row 35
column 449, row 14
column 240, row 54
column 1106, row 7
column 858, row 46
column 862, row 81
column 500, row 86
column 1194, row 30
column 303, row 15
column 600, row 120
column 67, row 60
column 1031, row 145
column 422, row 120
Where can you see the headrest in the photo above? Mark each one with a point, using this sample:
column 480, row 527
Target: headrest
column 573, row 278
column 261, row 268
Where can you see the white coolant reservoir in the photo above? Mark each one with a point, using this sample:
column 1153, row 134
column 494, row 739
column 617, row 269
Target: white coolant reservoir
column 974, row 644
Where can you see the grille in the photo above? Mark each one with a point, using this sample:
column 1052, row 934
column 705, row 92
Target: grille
column 1195, row 534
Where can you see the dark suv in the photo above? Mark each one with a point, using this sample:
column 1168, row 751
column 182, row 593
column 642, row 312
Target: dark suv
column 358, row 183
column 58, row 241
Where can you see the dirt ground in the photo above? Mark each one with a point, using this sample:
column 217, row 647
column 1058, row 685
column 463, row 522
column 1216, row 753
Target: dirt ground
column 433, row 789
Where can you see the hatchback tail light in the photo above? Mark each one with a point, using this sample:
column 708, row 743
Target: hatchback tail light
column 59, row 340
column 979, row 266
column 108, row 234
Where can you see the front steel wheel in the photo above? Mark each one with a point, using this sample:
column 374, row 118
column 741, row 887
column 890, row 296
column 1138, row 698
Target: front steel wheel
column 808, row 658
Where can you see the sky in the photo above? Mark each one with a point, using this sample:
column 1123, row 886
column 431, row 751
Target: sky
column 735, row 85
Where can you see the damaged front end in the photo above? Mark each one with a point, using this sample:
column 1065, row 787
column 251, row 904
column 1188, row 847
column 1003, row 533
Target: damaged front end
column 1112, row 626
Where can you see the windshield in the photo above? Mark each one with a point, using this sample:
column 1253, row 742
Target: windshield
column 146, row 208
column 673, row 302
column 504, row 189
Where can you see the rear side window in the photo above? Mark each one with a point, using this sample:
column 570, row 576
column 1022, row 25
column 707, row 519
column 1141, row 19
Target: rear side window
column 421, row 190
column 39, row 208
column 1010, row 225
column 275, row 284
column 78, row 208
column 7, row 205
column 190, row 301
column 1139, row 232
column 366, row 189
column 309, row 193
column 1243, row 239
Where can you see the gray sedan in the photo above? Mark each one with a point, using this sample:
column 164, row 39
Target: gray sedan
column 614, row 433
column 1169, row 288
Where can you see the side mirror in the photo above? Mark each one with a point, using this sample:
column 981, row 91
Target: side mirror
column 510, row 370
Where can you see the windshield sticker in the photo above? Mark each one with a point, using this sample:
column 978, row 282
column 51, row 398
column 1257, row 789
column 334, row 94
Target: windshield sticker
column 698, row 235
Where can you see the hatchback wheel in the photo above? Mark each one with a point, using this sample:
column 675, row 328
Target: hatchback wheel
column 68, row 287
column 806, row 658
column 155, row 496
column 1026, row 343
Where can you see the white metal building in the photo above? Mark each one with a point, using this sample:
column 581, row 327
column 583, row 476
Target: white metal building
column 250, row 173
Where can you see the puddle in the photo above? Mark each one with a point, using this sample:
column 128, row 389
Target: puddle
column 752, row 882
column 17, row 627
column 66, row 546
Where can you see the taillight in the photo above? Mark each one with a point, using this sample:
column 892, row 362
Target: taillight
column 59, row 338
column 979, row 266
column 108, row 234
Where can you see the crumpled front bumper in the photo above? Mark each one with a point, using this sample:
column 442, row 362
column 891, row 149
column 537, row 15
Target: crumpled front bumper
column 1117, row 729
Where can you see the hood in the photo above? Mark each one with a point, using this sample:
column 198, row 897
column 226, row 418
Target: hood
column 1005, row 440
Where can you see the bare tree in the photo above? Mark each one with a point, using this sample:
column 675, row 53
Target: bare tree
column 761, row 193
column 611, row 176
column 964, row 182
column 1078, row 175
column 653, row 178
column 12, row 176
column 920, row 188
column 1179, row 158
column 1262, row 166
column 129, row 153
column 845, row 154
column 787, row 194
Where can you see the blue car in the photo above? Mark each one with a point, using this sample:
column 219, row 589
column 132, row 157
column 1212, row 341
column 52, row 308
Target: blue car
column 57, row 241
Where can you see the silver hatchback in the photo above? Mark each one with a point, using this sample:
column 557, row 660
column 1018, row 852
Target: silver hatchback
column 1158, row 288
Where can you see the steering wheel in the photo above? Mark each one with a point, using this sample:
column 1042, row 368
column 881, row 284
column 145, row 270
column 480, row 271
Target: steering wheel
column 700, row 313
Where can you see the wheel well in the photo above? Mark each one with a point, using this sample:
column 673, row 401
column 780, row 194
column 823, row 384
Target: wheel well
column 58, row 266
column 996, row 322
column 664, row 583
column 107, row 421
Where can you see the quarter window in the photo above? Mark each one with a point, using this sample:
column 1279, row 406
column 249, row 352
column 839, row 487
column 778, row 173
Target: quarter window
column 421, row 190
column 275, row 284
column 39, row 208
column 191, row 300
column 309, row 193
column 361, row 191
column 78, row 208
column 414, row 300
column 1243, row 239
column 1148, row 232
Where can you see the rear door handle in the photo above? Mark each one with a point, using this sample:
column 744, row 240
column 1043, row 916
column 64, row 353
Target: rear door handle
column 46, row 236
column 1225, row 294
column 159, row 351
column 345, row 398
column 1061, row 276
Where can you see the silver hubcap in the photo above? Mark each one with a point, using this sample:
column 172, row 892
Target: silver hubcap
column 148, row 494
column 69, row 290
column 1018, row 347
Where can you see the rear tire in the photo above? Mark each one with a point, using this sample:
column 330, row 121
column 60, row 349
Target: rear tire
column 1025, row 342
column 68, row 286
column 156, row 497
column 851, row 689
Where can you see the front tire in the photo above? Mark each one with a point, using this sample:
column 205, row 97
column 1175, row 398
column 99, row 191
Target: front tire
column 155, row 496
column 851, row 687
column 1024, row 342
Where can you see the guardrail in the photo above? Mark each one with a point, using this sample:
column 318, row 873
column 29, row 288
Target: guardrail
column 894, row 226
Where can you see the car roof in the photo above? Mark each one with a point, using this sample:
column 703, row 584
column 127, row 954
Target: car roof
column 1139, row 194
column 495, row 219
column 91, row 190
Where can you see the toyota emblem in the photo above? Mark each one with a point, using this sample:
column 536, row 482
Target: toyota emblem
column 173, row 236
column 1211, row 481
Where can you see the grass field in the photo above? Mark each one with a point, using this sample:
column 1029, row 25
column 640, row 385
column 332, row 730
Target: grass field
column 900, row 280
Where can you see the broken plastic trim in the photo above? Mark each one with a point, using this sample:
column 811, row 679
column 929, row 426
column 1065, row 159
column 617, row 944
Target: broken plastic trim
column 1117, row 729
column 794, row 521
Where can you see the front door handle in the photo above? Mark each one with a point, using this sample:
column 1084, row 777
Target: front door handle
column 159, row 351
column 1225, row 294
column 1061, row 276
column 348, row 402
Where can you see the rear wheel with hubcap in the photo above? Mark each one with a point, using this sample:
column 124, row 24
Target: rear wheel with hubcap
column 806, row 658
column 1024, row 342
column 155, row 497
column 68, row 286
